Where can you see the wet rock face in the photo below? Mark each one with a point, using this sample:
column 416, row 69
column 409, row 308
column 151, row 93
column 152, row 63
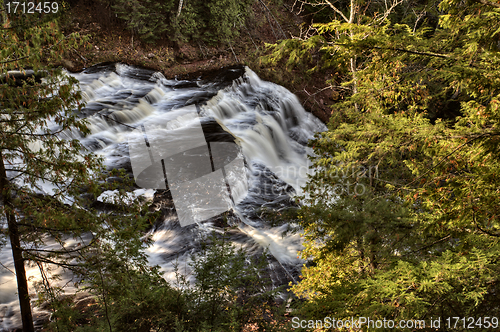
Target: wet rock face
column 164, row 203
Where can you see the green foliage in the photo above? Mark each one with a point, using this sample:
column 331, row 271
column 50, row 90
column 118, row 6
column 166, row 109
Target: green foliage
column 209, row 21
column 418, row 137
column 226, row 18
column 229, row 292
column 134, row 298
column 149, row 19
column 104, row 249
column 212, row 21
column 36, row 108
column 190, row 24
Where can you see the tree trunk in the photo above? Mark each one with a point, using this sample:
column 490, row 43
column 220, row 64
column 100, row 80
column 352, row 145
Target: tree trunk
column 180, row 8
column 17, row 251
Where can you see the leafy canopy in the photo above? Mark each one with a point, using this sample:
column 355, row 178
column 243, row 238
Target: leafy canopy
column 401, row 218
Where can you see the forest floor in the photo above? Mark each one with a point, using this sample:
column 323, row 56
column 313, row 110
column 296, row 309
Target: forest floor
column 110, row 41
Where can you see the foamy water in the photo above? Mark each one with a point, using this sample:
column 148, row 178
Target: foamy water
column 264, row 119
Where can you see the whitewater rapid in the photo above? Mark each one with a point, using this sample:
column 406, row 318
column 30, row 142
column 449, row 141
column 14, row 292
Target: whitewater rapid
column 265, row 120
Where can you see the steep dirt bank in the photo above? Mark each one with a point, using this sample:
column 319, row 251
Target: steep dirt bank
column 109, row 41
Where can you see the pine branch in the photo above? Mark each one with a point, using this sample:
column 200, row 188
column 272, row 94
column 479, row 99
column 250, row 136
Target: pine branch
column 33, row 157
column 482, row 230
column 34, row 257
column 469, row 136
column 14, row 60
column 43, row 49
column 65, row 251
column 31, row 134
column 412, row 52
column 66, row 230
column 489, row 3
column 451, row 153
column 395, row 49
column 429, row 245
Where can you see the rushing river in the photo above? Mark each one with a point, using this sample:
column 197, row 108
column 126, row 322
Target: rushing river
column 266, row 121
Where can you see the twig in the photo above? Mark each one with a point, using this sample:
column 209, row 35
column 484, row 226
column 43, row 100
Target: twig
column 7, row 268
column 201, row 49
column 429, row 245
column 489, row 3
column 335, row 9
column 412, row 52
column 81, row 56
column 234, row 53
column 313, row 94
column 481, row 229
column 395, row 49
column 104, row 298
column 248, row 31
column 275, row 20
column 27, row 56
column 446, row 157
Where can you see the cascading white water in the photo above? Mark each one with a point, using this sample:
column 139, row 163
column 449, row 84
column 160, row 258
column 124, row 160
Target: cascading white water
column 265, row 120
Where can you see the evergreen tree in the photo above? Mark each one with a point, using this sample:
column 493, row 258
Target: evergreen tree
column 401, row 216
column 149, row 19
column 226, row 18
column 352, row 22
column 48, row 184
column 208, row 21
column 229, row 291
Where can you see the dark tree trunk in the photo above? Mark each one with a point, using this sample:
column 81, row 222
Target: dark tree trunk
column 17, row 251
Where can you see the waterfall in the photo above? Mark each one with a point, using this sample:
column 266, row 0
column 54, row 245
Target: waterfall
column 265, row 120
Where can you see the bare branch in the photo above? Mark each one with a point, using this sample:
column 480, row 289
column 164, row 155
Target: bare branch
column 352, row 12
column 389, row 10
column 489, row 3
column 275, row 20
column 180, row 8
column 327, row 2
column 335, row 9
column 5, row 267
column 65, row 251
column 406, row 51
column 429, row 245
column 449, row 154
